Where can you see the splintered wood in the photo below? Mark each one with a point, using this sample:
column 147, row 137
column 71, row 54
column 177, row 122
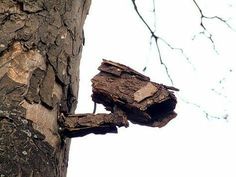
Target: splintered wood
column 82, row 124
column 129, row 95
column 144, row 102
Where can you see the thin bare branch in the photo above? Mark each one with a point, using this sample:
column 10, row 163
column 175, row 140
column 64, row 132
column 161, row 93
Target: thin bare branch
column 205, row 31
column 141, row 17
column 207, row 114
column 154, row 15
column 157, row 39
column 161, row 61
column 222, row 20
column 178, row 49
column 94, row 107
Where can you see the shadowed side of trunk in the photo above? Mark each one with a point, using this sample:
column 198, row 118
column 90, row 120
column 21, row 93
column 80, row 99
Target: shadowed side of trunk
column 40, row 50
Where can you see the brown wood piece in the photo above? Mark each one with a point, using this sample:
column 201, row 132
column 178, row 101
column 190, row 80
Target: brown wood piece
column 144, row 102
column 129, row 95
column 82, row 124
column 40, row 49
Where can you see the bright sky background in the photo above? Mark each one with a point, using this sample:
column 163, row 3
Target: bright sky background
column 191, row 144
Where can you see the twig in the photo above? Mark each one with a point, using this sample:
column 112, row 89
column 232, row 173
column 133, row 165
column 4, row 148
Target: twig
column 207, row 114
column 157, row 38
column 205, row 31
column 178, row 49
column 94, row 107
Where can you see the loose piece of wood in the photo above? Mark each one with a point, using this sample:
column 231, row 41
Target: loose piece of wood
column 144, row 102
column 129, row 95
column 82, row 124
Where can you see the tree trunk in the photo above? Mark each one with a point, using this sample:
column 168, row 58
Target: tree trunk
column 40, row 50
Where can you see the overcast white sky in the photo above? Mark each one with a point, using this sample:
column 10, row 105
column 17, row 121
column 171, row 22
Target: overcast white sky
column 191, row 144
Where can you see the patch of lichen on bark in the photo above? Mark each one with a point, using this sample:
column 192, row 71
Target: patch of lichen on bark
column 23, row 151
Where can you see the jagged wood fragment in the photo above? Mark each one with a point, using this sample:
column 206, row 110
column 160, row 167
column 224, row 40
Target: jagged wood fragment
column 144, row 102
column 82, row 124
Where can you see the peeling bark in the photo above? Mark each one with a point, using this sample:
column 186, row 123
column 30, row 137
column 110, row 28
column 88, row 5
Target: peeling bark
column 83, row 124
column 40, row 50
column 144, row 102
column 129, row 95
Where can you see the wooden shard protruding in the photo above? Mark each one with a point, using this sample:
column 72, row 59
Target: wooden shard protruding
column 129, row 95
column 142, row 101
column 79, row 125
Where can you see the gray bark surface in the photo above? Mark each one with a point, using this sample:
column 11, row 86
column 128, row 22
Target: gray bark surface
column 40, row 50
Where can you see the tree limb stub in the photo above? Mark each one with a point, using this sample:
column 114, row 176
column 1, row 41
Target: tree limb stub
column 144, row 102
column 129, row 95
column 79, row 125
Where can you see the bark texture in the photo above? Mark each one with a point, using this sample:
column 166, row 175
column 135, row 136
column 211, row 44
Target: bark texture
column 40, row 50
column 129, row 95
column 120, row 88
column 83, row 124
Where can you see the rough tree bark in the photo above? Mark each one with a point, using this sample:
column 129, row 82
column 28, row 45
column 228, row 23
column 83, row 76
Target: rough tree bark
column 40, row 51
column 129, row 95
column 121, row 89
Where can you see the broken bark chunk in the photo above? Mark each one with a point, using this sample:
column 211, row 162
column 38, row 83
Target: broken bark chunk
column 82, row 124
column 144, row 102
column 129, row 95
